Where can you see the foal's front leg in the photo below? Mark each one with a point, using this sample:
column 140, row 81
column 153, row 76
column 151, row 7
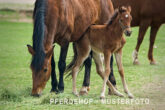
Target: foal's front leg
column 118, row 56
column 107, row 55
column 100, row 71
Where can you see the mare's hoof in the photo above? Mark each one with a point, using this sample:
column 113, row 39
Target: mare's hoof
column 88, row 88
column 56, row 91
column 83, row 93
column 84, row 90
column 153, row 62
column 60, row 90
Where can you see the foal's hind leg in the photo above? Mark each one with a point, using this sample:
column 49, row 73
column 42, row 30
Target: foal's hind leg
column 88, row 63
column 118, row 56
column 100, row 71
column 83, row 50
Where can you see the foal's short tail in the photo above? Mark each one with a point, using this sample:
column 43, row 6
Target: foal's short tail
column 70, row 65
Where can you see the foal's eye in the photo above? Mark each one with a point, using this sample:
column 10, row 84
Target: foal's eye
column 45, row 70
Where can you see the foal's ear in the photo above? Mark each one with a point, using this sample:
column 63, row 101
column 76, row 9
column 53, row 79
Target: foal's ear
column 31, row 50
column 50, row 52
column 122, row 9
column 129, row 8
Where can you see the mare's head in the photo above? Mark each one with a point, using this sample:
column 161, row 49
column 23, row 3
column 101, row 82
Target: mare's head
column 125, row 19
column 41, row 69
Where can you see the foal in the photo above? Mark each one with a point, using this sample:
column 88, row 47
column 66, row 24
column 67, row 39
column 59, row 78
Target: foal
column 106, row 39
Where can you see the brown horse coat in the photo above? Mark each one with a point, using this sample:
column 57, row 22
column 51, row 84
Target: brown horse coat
column 106, row 39
column 145, row 13
column 61, row 21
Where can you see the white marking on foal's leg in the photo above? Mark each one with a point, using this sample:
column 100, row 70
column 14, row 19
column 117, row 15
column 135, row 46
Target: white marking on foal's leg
column 102, row 96
column 126, row 89
column 74, row 75
column 135, row 57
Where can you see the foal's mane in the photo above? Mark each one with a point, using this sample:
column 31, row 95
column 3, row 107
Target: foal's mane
column 114, row 16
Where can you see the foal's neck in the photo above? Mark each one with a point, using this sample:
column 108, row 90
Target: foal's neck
column 116, row 29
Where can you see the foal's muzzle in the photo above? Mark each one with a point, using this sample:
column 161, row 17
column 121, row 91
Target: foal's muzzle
column 127, row 33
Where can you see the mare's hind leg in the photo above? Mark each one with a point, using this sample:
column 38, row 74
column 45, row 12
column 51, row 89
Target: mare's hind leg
column 111, row 76
column 88, row 63
column 54, row 81
column 100, row 71
column 62, row 66
column 118, row 57
column 83, row 49
column 142, row 30
column 154, row 30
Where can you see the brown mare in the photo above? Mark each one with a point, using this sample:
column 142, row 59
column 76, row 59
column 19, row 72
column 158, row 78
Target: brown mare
column 60, row 21
column 106, row 39
column 145, row 13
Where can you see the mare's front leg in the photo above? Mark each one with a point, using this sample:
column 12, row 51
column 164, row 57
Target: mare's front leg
column 118, row 56
column 88, row 63
column 111, row 76
column 62, row 66
column 54, row 81
column 142, row 30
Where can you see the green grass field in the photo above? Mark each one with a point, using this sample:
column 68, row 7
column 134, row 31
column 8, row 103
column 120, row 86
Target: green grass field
column 144, row 80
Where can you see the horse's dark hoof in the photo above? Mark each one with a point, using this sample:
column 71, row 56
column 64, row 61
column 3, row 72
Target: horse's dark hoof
column 61, row 89
column 54, row 91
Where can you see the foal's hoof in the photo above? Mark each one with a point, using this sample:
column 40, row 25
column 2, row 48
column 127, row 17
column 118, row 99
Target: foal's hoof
column 117, row 93
column 102, row 97
column 76, row 94
column 136, row 62
column 153, row 62
column 130, row 96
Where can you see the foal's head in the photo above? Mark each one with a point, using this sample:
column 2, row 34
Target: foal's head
column 41, row 69
column 125, row 19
